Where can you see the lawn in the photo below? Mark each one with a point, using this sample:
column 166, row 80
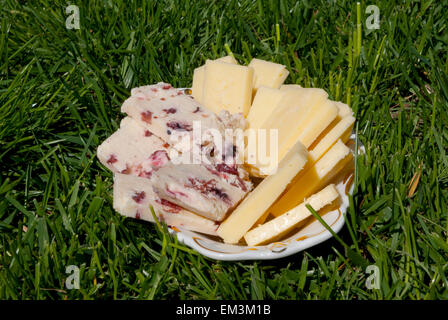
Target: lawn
column 60, row 95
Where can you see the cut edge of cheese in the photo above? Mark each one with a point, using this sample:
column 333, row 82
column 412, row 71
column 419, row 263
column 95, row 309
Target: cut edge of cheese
column 126, row 205
column 319, row 118
column 288, row 119
column 228, row 59
column 343, row 109
column 341, row 131
column 277, row 227
column 265, row 102
column 315, row 177
column 227, row 87
column 285, row 87
column 268, row 73
column 197, row 87
column 263, row 196
column 198, row 83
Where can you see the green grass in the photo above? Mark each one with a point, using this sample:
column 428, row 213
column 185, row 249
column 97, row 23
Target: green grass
column 60, row 96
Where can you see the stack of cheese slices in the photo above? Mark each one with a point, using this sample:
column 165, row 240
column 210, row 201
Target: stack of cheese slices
column 311, row 150
column 313, row 132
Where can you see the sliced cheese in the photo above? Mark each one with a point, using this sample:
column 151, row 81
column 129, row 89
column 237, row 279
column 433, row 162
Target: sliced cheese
column 133, row 197
column 264, row 104
column 341, row 131
column 227, row 87
column 281, row 225
column 344, row 109
column 289, row 86
column 198, row 83
column 314, row 178
column 343, row 112
column 227, row 59
column 199, row 75
column 289, row 119
column 268, row 73
column 261, row 198
column 319, row 117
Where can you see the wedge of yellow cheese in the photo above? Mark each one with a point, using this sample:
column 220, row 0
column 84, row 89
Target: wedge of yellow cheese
column 199, row 75
column 296, row 107
column 330, row 164
column 343, row 109
column 261, row 198
column 268, row 74
column 265, row 102
column 341, row 131
column 281, row 225
column 227, row 87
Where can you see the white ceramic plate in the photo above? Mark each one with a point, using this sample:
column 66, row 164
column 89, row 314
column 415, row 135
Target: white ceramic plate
column 311, row 234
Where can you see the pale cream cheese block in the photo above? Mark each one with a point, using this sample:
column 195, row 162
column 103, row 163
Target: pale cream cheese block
column 133, row 197
column 173, row 116
column 277, row 227
column 262, row 197
column 329, row 165
column 227, row 87
column 268, row 74
column 197, row 87
column 200, row 189
column 265, row 102
column 133, row 149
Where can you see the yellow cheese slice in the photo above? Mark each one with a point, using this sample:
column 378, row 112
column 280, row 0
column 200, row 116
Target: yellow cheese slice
column 281, row 225
column 228, row 59
column 341, row 131
column 330, row 164
column 268, row 74
column 289, row 86
column 289, row 118
column 343, row 112
column 199, row 75
column 264, row 104
column 319, row 117
column 198, row 83
column 227, row 87
column 262, row 197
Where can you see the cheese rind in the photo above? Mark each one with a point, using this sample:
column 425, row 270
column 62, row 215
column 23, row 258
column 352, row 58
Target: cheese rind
column 227, row 87
column 313, row 178
column 259, row 200
column 265, row 102
column 268, row 74
column 133, row 196
column 279, row 226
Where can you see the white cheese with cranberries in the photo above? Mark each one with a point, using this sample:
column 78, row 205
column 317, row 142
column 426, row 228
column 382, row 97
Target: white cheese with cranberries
column 133, row 149
column 210, row 191
column 133, row 197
